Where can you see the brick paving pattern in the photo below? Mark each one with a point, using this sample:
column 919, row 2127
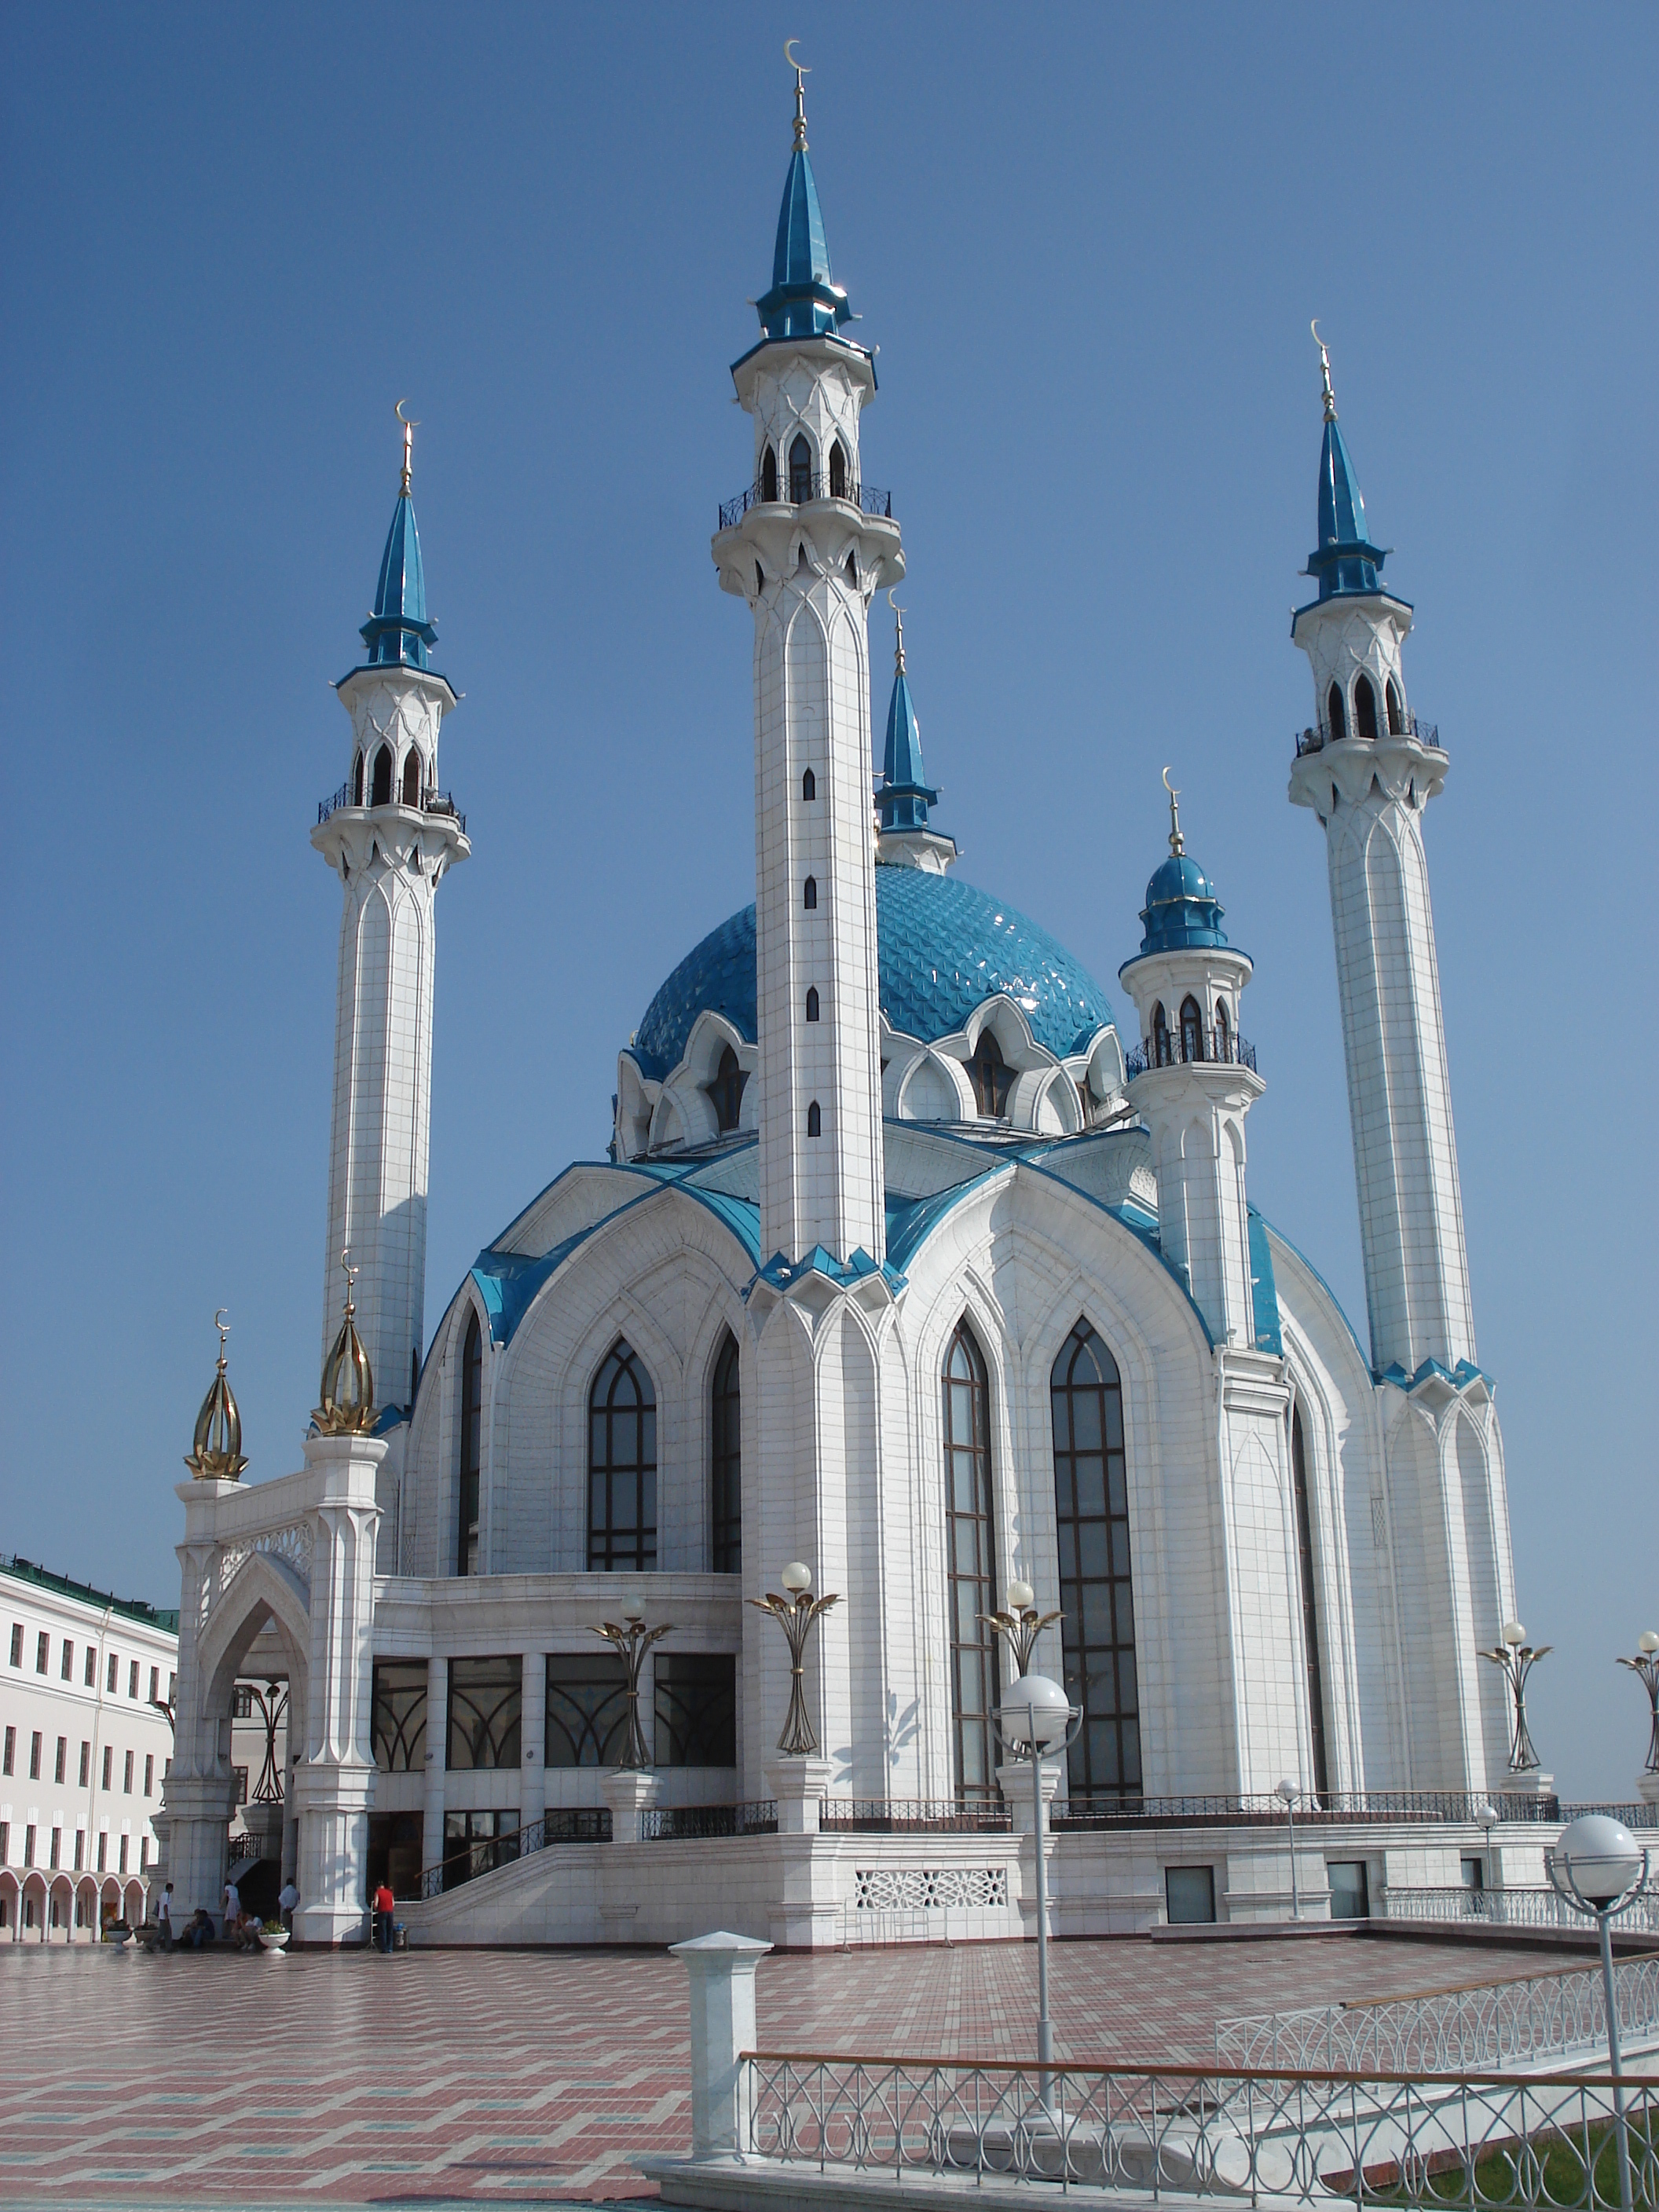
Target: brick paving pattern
column 531, row 2077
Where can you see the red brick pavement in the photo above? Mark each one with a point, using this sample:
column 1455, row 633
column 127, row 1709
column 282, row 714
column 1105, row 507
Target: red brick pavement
column 529, row 2077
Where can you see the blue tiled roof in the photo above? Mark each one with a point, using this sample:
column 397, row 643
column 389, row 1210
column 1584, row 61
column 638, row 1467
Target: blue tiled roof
column 1182, row 908
column 1346, row 561
column 398, row 630
column 804, row 300
column 942, row 948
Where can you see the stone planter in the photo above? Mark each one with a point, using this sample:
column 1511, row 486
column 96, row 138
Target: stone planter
column 273, row 1942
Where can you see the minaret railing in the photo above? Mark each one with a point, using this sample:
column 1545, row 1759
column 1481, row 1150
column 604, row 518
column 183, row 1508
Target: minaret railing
column 432, row 802
column 1219, row 1045
column 1315, row 741
column 865, row 497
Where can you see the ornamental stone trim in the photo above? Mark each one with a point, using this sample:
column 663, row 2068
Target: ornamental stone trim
column 927, row 1889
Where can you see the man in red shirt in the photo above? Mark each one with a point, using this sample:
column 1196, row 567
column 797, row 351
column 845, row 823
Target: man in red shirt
column 384, row 1907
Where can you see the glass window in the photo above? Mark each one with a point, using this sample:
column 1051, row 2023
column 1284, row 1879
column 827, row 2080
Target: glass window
column 61, row 1763
column 92, row 1668
column 808, row 785
column 800, row 470
column 1333, row 708
column 466, row 1542
column 1350, row 1890
column 810, row 895
column 67, row 1670
column 86, row 1763
column 18, row 1643
column 1192, row 1031
column 587, row 1709
column 621, row 1464
column 696, row 1708
column 991, row 1075
column 114, row 1676
column 109, row 1764
column 726, row 1472
column 814, row 1120
column 42, row 1651
column 837, row 471
column 812, row 1002
column 238, row 1785
column 398, row 1723
column 11, row 1752
column 154, row 1684
column 971, row 1564
column 126, row 1776
column 241, row 1702
column 727, row 1089
column 35, row 1756
column 1391, row 700
column 1161, row 1055
column 1304, row 1562
column 411, row 794
column 1189, row 1893
column 477, row 1842
column 1091, row 1513
column 1365, row 708
column 768, row 475
column 486, row 1707
column 149, row 1774
column 357, row 780
column 380, row 794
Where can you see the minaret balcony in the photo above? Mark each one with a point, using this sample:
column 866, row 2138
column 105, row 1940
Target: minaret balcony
column 865, row 498
column 432, row 802
column 1187, row 1047
column 1422, row 733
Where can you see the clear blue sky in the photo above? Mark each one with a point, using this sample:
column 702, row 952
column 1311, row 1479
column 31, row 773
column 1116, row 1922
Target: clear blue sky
column 1087, row 242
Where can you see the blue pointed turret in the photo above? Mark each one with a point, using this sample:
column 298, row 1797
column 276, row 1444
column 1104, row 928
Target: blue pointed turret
column 905, row 795
column 1346, row 561
column 397, row 632
column 804, row 300
column 1182, row 911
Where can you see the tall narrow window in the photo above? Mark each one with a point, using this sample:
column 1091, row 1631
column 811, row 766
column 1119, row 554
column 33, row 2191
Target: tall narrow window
column 380, row 795
column 800, row 470
column 812, row 1003
column 1305, row 1563
column 1334, row 712
column 810, row 895
column 1365, row 708
column 837, row 471
column 1160, row 1036
column 768, row 475
column 1192, row 1031
column 809, row 786
column 412, row 779
column 1092, row 1514
column 725, row 1462
column 466, row 1543
column 814, row 1120
column 357, row 780
column 1391, row 700
column 1223, row 1042
column 970, row 1537
column 621, row 1465
column 991, row 1076
column 726, row 1091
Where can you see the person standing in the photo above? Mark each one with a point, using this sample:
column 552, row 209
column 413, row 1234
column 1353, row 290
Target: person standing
column 232, row 1904
column 385, row 1906
column 287, row 1898
column 164, row 1918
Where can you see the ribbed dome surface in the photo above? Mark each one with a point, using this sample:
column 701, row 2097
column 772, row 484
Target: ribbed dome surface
column 942, row 947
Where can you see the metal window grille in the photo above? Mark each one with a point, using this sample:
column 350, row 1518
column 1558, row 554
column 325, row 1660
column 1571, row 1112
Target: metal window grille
column 726, row 1472
column 1096, row 1597
column 697, row 1709
column 586, row 1722
column 975, row 1681
column 397, row 1722
column 486, row 1708
column 621, row 1464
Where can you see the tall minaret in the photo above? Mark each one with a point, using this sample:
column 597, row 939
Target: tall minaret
column 807, row 548
column 391, row 836
column 1368, row 768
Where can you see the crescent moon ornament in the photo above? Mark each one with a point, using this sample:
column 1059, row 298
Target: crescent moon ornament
column 1168, row 787
column 398, row 412
column 801, row 69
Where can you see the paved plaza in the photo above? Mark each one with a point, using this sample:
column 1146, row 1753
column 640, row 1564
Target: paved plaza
column 454, row 2077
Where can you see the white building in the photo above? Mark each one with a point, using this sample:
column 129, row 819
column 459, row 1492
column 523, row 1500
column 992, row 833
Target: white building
column 907, row 1261
column 83, row 1694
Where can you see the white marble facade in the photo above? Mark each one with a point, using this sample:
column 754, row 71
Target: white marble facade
column 981, row 1155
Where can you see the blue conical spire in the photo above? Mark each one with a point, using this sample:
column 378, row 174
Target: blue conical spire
column 397, row 631
column 804, row 300
column 905, row 795
column 1346, row 561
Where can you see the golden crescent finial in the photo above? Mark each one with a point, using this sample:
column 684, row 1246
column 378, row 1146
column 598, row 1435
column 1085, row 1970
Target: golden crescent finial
column 1177, row 844
column 1324, row 370
column 898, row 646
column 409, row 428
column 219, row 1321
column 1173, row 789
column 802, row 71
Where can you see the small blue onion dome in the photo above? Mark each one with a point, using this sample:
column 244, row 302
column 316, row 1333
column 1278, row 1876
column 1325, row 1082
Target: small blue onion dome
column 1182, row 908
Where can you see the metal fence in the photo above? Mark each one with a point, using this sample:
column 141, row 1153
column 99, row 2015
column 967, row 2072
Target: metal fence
column 432, row 802
column 793, row 492
column 1523, row 2019
column 662, row 1824
column 1440, row 2141
column 479, row 1855
column 1522, row 1907
column 1330, row 1808
column 898, row 1816
column 1178, row 1047
column 1315, row 741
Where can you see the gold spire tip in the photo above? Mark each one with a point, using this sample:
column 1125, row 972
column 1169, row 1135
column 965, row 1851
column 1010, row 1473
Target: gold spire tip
column 802, row 69
column 1177, row 842
column 898, row 642
column 409, row 428
column 1324, row 371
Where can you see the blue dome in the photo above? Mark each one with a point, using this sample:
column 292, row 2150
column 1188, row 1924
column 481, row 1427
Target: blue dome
column 942, row 947
column 1182, row 908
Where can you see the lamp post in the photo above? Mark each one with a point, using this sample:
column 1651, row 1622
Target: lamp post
column 630, row 1643
column 1487, row 1812
column 1035, row 1717
column 795, row 1614
column 1516, row 1658
column 1596, row 1868
column 1019, row 1624
column 1646, row 1666
column 1287, row 1793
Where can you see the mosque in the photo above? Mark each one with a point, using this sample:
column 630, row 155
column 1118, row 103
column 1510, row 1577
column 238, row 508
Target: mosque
column 918, row 1262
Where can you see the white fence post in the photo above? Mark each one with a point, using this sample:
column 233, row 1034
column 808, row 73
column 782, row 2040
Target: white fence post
column 722, row 1971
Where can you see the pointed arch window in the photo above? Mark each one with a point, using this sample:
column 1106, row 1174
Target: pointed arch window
column 1365, row 709
column 800, row 471
column 810, row 895
column 1391, row 701
column 809, row 786
column 411, row 791
column 1160, row 1036
column 1223, row 1041
column 466, row 1539
column 814, row 1120
column 357, row 780
column 621, row 1465
column 726, row 1091
column 975, row 1689
column 812, row 1004
column 768, row 475
column 1091, row 1515
column 1308, row 1591
column 1335, row 713
column 725, row 1468
column 837, row 471
column 1192, row 1031
column 991, row 1076
column 381, row 793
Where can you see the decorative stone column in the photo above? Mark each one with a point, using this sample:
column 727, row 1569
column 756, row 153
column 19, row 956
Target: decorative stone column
column 627, row 1790
column 437, row 1753
column 1014, row 1780
column 806, row 1906
column 532, row 1735
column 722, row 1972
column 798, row 1786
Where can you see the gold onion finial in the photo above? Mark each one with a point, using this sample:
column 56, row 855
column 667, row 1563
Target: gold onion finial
column 347, row 1406
column 802, row 69
column 216, row 1452
column 1177, row 842
column 898, row 642
column 1324, row 370
column 409, row 428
